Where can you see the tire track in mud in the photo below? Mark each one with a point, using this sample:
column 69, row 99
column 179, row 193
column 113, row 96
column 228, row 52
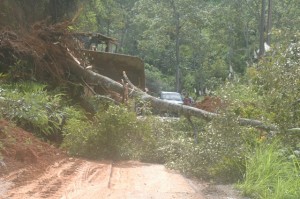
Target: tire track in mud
column 52, row 183
column 48, row 184
column 92, row 181
column 80, row 179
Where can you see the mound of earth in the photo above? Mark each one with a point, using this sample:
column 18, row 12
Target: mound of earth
column 21, row 150
column 210, row 104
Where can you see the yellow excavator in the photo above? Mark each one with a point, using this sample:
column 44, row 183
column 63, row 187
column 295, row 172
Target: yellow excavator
column 100, row 52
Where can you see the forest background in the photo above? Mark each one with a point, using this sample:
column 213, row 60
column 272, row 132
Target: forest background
column 187, row 43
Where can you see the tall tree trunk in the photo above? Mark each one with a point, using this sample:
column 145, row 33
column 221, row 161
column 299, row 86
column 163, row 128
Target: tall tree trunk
column 262, row 29
column 269, row 22
column 177, row 54
column 177, row 34
column 246, row 36
column 108, row 28
column 53, row 5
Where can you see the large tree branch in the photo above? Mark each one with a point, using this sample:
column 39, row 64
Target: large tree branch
column 156, row 103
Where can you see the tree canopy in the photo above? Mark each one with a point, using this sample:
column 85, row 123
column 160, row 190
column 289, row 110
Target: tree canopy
column 196, row 45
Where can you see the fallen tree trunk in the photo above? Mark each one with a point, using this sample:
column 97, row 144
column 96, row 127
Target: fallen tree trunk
column 156, row 103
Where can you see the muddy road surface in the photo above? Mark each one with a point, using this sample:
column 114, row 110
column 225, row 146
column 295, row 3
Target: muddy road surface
column 32, row 169
column 80, row 179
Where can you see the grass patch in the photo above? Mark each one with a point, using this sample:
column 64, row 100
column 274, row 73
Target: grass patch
column 270, row 174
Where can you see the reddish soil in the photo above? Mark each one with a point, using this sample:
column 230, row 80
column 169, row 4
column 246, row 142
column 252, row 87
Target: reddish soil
column 22, row 150
column 210, row 104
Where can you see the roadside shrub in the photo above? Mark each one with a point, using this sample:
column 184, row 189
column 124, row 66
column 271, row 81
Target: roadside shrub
column 271, row 173
column 224, row 143
column 77, row 135
column 154, row 139
column 115, row 133
column 243, row 100
column 219, row 153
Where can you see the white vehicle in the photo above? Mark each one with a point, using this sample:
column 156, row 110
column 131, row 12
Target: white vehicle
column 172, row 97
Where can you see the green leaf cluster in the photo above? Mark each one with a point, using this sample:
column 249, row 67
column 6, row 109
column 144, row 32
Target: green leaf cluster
column 278, row 83
column 32, row 107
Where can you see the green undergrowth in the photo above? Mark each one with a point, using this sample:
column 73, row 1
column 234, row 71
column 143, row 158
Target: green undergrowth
column 34, row 108
column 113, row 133
column 217, row 154
column 271, row 173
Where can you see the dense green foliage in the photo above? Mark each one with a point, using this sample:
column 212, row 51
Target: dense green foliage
column 218, row 155
column 156, row 81
column 278, row 78
column 29, row 105
column 16, row 14
column 114, row 133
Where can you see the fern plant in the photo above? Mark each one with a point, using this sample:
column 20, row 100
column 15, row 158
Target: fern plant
column 30, row 106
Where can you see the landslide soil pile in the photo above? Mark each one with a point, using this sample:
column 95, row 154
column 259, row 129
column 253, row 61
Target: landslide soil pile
column 23, row 152
column 210, row 104
column 46, row 47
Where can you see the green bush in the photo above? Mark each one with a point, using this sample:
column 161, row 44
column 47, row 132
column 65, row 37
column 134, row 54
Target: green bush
column 113, row 133
column 243, row 100
column 270, row 174
column 219, row 153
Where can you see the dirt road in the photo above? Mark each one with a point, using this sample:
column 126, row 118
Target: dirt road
column 34, row 169
column 74, row 178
